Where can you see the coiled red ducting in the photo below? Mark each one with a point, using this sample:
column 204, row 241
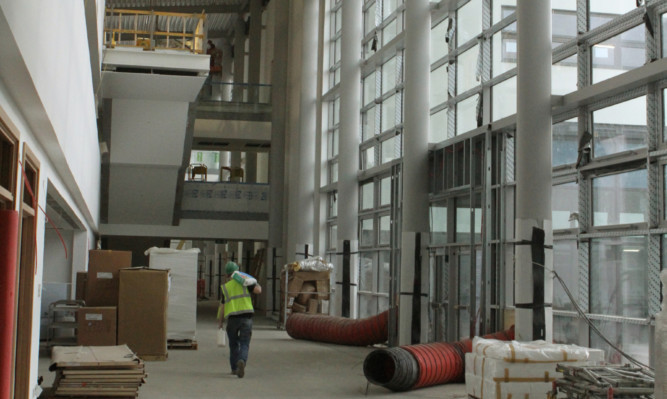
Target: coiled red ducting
column 338, row 330
column 417, row 366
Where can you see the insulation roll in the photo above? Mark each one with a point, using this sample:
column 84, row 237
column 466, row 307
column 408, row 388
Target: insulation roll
column 9, row 228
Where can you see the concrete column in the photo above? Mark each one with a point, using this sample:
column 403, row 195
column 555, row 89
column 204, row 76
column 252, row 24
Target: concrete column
column 348, row 154
column 413, row 275
column 534, row 284
column 250, row 167
column 277, row 151
column 301, row 224
column 239, row 59
column 255, row 49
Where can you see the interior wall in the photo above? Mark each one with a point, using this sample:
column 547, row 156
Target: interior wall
column 137, row 245
column 58, row 259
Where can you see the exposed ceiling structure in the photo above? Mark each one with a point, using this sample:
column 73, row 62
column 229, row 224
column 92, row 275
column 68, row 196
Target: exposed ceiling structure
column 220, row 14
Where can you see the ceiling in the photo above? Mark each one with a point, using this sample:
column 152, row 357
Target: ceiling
column 221, row 15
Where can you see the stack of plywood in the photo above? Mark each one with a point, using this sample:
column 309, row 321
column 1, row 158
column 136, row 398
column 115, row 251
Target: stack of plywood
column 99, row 371
column 510, row 369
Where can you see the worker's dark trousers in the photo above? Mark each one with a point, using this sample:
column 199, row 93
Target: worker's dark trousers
column 239, row 331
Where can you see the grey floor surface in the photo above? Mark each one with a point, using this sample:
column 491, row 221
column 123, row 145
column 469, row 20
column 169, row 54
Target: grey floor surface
column 278, row 367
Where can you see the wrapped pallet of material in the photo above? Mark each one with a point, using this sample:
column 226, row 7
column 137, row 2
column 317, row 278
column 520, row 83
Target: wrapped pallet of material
column 182, row 310
column 510, row 369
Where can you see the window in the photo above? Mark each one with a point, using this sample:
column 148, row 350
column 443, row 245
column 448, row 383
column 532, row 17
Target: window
column 504, row 98
column 620, row 198
column 565, row 263
column 466, row 70
column 564, row 76
column 439, row 46
column 438, row 126
column 438, row 223
column 619, row 54
column 565, row 206
column 564, row 149
column 621, row 127
column 469, row 21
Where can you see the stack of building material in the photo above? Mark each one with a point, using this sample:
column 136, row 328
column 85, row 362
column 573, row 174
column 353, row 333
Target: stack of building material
column 305, row 287
column 96, row 371
column 510, row 369
column 182, row 309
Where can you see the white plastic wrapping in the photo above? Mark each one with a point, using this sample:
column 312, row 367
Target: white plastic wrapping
column 661, row 343
column 509, row 369
column 313, row 264
column 533, row 351
column 182, row 308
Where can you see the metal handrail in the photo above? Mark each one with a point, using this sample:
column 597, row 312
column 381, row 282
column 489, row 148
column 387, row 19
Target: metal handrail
column 153, row 30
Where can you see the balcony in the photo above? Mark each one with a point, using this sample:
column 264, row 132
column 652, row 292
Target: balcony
column 234, row 101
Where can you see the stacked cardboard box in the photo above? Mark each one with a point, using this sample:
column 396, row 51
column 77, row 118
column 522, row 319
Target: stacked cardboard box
column 96, row 371
column 510, row 369
column 103, row 276
column 142, row 311
column 304, row 291
column 96, row 326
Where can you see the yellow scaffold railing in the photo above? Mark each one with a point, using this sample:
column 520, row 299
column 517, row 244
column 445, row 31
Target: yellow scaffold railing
column 153, row 30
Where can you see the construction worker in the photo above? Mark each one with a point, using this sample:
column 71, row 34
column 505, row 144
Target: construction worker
column 236, row 307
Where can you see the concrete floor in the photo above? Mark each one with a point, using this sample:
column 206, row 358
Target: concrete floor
column 278, row 367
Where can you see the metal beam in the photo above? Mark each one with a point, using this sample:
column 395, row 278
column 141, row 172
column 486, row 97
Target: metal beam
column 196, row 9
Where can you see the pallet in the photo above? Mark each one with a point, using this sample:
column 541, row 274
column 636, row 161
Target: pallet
column 182, row 344
column 154, row 358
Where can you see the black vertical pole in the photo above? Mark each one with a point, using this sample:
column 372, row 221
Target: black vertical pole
column 346, row 279
column 417, row 293
column 219, row 274
column 537, row 252
column 210, row 278
column 273, row 286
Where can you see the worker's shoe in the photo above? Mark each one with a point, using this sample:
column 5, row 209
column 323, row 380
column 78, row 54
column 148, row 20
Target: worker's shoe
column 234, row 372
column 240, row 368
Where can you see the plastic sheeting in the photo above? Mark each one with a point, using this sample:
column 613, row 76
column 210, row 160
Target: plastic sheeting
column 314, row 264
column 509, row 369
column 182, row 308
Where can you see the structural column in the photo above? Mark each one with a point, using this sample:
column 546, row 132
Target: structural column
column 301, row 225
column 348, row 157
column 534, row 251
column 275, row 256
column 239, row 59
column 413, row 279
column 254, row 68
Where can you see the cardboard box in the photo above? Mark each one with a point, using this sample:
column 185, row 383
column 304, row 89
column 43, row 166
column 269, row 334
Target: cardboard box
column 96, row 326
column 142, row 311
column 295, row 283
column 102, row 282
column 81, row 281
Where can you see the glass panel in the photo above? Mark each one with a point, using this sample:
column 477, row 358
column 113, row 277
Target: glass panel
column 619, row 54
column 466, row 70
column 333, row 143
column 383, row 272
column 366, row 271
column 337, row 47
column 566, row 330
column 369, row 19
column 466, row 115
column 388, row 6
column 564, row 147
column 389, row 75
column 367, row 306
column 564, row 76
column 664, row 115
column 503, row 46
column 464, row 295
column 565, row 205
column 334, row 171
column 339, row 19
column 664, row 35
column 439, row 85
column 477, row 213
column 369, row 158
column 368, row 124
column 390, row 149
column 502, row 9
column 369, row 88
column 563, row 21
column 438, row 222
column 439, row 46
column 438, row 126
column 604, row 10
column 367, row 197
column 333, row 236
column 385, row 191
column 389, row 32
column 631, row 338
column 333, row 205
column 620, row 127
column 620, row 198
column 385, row 230
column 566, row 264
column 619, row 279
column 389, row 113
column 463, row 219
column 367, row 238
column 468, row 21
column 504, row 99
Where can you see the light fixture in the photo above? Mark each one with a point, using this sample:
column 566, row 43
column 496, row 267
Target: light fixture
column 631, row 250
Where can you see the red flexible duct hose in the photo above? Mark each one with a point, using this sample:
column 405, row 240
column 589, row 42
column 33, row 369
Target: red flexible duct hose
column 9, row 228
column 338, row 330
column 434, row 363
